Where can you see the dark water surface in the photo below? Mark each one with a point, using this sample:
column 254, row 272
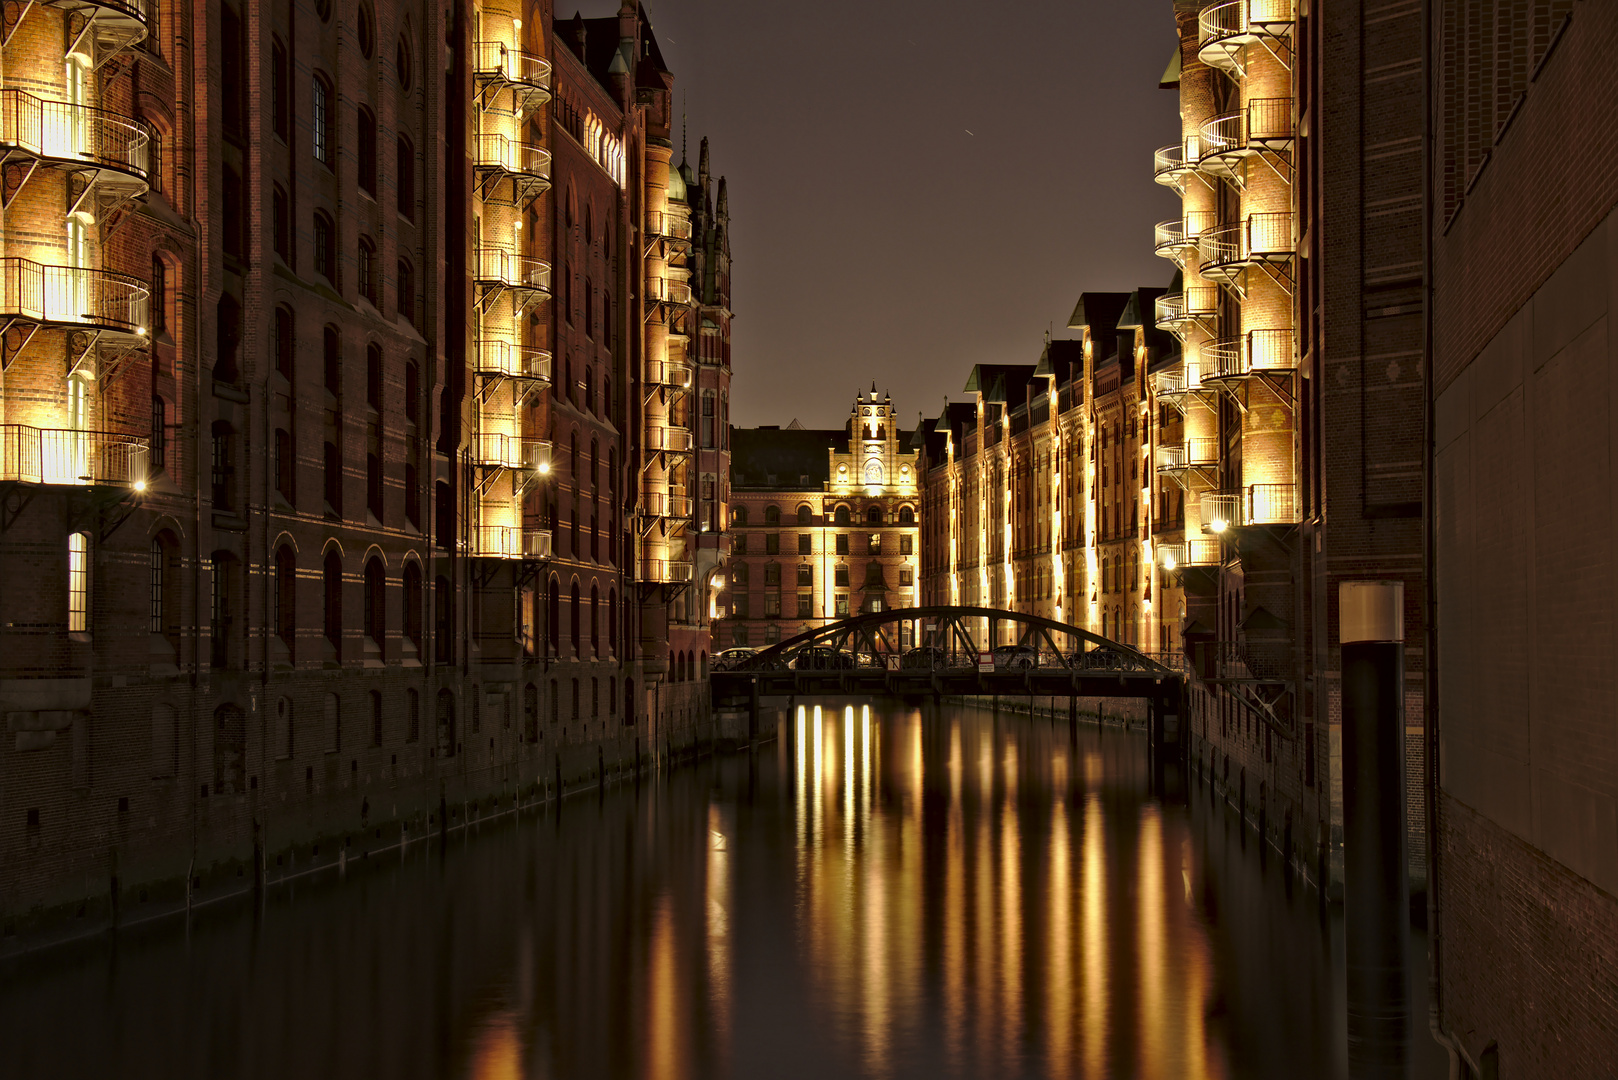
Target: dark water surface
column 884, row 892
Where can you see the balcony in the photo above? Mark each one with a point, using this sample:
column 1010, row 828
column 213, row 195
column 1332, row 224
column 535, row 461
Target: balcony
column 1230, row 141
column 33, row 455
column 665, row 572
column 498, row 158
column 1221, row 511
column 509, row 542
column 1272, row 504
column 664, row 505
column 1175, row 240
column 673, row 439
column 1190, row 553
column 1225, row 252
column 668, row 225
column 505, row 360
column 1172, row 164
column 668, row 373
column 108, row 27
column 498, row 451
column 665, row 290
column 78, row 138
column 75, row 296
column 1256, row 353
column 1180, row 312
column 1199, row 453
column 499, row 67
column 1227, row 28
column 499, row 270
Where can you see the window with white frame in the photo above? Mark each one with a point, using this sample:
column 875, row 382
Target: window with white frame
column 78, row 583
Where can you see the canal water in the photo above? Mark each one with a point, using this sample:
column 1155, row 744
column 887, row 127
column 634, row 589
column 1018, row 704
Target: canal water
column 885, row 891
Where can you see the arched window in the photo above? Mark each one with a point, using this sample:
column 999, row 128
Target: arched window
column 738, row 515
column 365, row 152
column 412, row 609
column 376, row 610
column 369, row 275
column 165, row 589
column 573, row 614
column 873, row 515
column 806, row 516
column 405, row 167
column 907, row 516
column 322, row 121
column 405, row 291
column 772, row 515
column 332, row 623
column 595, row 621
column 325, row 246
column 227, row 336
column 842, row 516
column 401, row 63
column 589, row 225
column 589, row 315
column 612, row 622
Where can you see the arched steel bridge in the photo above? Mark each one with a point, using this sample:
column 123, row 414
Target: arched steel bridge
column 953, row 655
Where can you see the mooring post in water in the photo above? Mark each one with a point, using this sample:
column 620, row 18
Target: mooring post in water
column 1376, row 893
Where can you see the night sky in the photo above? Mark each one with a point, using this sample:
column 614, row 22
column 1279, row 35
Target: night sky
column 917, row 186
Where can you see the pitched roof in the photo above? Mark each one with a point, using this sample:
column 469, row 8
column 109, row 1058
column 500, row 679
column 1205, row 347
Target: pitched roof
column 756, row 454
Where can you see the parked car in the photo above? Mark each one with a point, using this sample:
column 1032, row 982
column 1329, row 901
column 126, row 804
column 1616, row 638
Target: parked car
column 824, row 658
column 1015, row 658
column 731, row 659
column 1107, row 658
column 925, row 658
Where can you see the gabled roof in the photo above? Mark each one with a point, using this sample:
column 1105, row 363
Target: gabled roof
column 1004, row 383
column 1097, row 310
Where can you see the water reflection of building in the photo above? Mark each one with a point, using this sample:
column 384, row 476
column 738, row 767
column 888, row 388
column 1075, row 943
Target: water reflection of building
column 824, row 526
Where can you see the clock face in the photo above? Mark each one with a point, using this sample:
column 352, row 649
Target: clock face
column 873, row 472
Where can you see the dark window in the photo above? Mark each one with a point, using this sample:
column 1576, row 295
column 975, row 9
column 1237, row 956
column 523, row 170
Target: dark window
column 841, row 578
column 286, row 597
column 227, row 338
column 412, row 606
column 283, row 343
column 412, row 407
column 223, row 472
column 232, row 68
column 373, row 376
column 322, row 114
column 406, row 295
column 401, row 64
column 573, row 616
column 443, row 621
column 805, row 515
column 803, row 543
column 772, row 543
column 332, row 616
column 365, row 153
column 280, row 91
column 842, row 543
column 406, row 166
column 376, row 612
column 334, row 480
column 842, row 516
column 325, row 247
column 283, row 463
column 332, row 355
column 368, row 283
column 373, row 484
column 589, row 304
column 366, row 30
column 159, row 313
column 280, row 225
column 444, row 515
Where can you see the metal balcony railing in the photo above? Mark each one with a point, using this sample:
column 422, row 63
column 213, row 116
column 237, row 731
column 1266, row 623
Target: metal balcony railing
column 502, row 266
column 512, row 361
column 509, row 155
column 510, row 542
column 1176, row 311
column 665, row 571
column 668, row 373
column 1224, row 251
column 1272, row 504
column 1225, row 29
column 675, row 439
column 498, row 61
column 668, row 224
column 665, row 290
column 1191, row 454
column 1189, row 553
column 1221, row 511
column 1171, row 164
column 1172, row 240
column 663, row 504
column 34, row 455
column 1264, row 125
column 76, row 134
column 74, row 295
column 1256, row 352
column 494, row 450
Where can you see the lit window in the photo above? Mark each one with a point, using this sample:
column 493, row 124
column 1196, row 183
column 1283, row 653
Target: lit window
column 78, row 582
column 156, row 599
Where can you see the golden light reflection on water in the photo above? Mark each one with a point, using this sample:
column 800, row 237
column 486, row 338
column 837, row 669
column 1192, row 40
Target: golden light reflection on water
column 1016, row 897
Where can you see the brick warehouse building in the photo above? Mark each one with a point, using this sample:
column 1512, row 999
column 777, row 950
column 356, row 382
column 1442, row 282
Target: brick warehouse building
column 283, row 453
column 824, row 525
column 1524, row 279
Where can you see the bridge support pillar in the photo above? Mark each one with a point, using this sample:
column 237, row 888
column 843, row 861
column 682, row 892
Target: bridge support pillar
column 752, row 717
column 1376, row 899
